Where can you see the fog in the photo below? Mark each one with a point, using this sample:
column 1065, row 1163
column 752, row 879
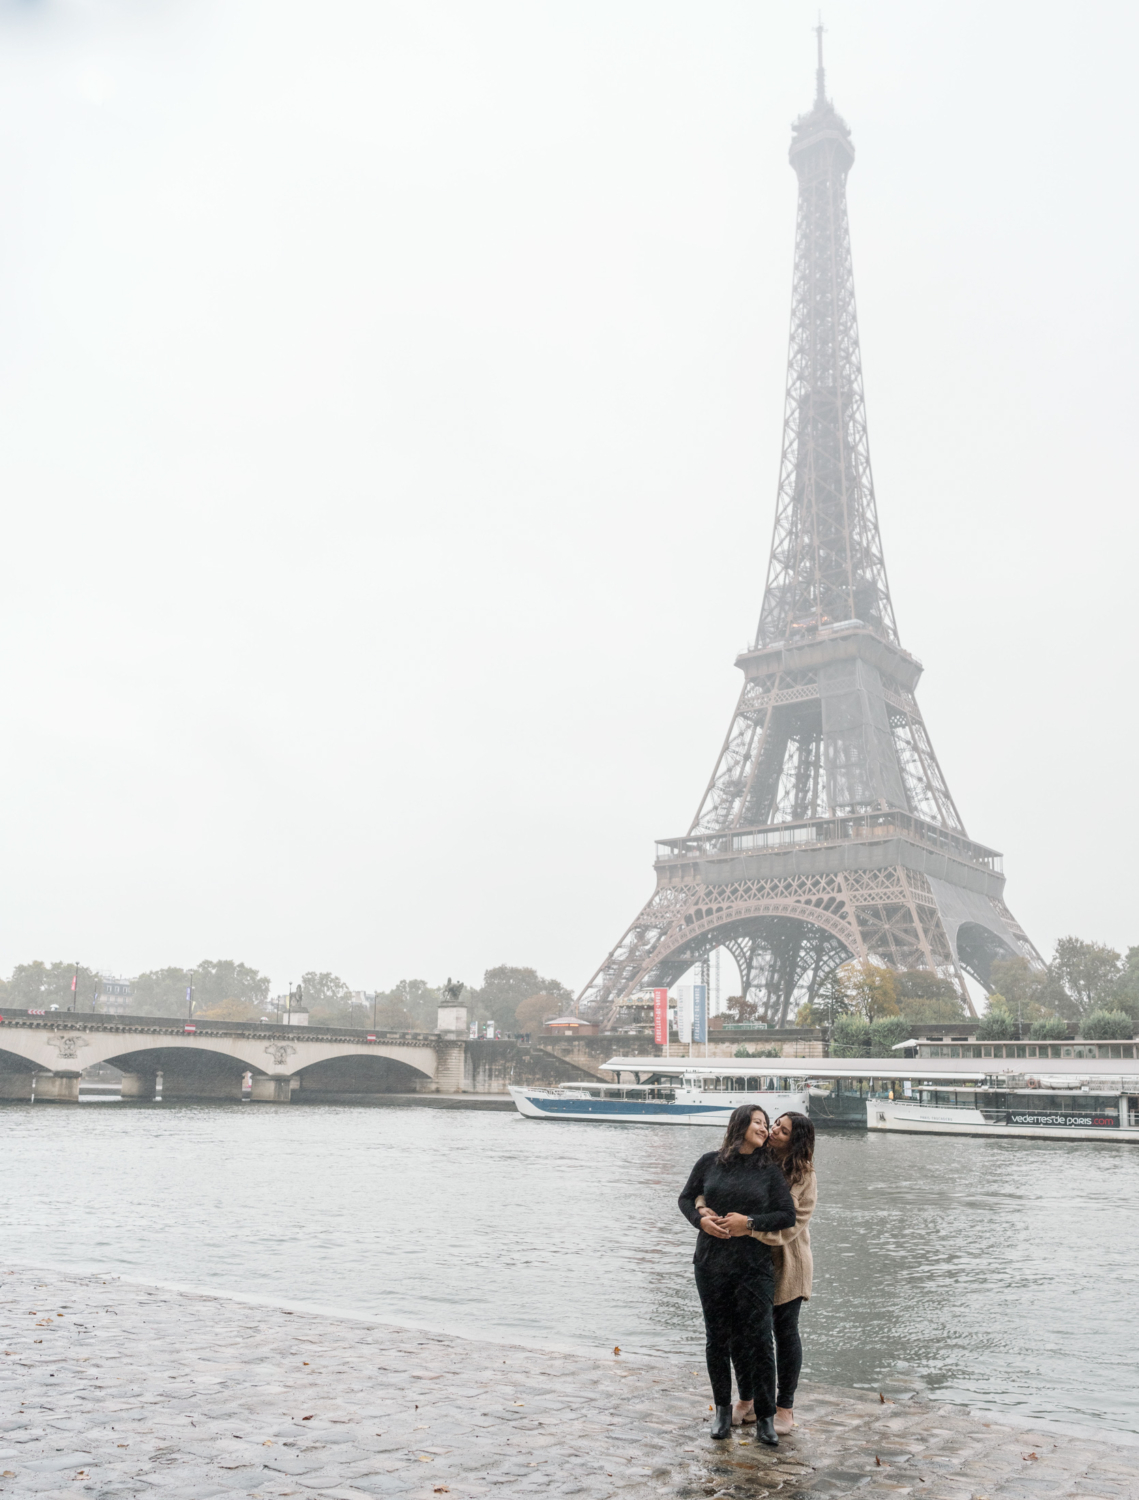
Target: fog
column 390, row 421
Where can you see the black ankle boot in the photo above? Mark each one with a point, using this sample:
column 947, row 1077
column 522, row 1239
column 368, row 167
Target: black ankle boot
column 722, row 1423
column 765, row 1432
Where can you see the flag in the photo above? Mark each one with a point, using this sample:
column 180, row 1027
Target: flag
column 699, row 1012
column 660, row 1017
column 74, row 981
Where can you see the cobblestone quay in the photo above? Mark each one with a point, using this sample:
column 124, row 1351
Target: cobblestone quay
column 113, row 1389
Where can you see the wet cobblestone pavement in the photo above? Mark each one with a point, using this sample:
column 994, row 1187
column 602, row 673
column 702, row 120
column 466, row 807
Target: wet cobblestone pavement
column 112, row 1389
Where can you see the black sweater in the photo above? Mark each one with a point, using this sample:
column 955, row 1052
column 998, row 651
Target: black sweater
column 752, row 1185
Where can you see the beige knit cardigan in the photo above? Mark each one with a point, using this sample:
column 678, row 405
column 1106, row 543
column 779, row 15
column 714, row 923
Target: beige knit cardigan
column 791, row 1256
column 791, row 1248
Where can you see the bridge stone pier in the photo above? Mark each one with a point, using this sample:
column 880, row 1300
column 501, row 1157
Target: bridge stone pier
column 42, row 1056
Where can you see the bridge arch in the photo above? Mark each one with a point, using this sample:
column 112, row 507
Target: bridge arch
column 335, row 1077
column 208, row 1061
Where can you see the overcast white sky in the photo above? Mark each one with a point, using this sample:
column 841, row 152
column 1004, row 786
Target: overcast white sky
column 389, row 424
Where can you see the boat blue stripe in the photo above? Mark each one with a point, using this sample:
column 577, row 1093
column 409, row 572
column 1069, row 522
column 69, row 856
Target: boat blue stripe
column 620, row 1106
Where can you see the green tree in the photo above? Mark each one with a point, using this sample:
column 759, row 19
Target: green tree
column 1017, row 981
column 39, row 986
column 851, row 1037
column 872, row 990
column 1107, row 1026
column 923, row 996
column 505, row 987
column 1088, row 972
column 1048, row 1029
column 1126, row 994
column 831, row 1000
column 741, row 1011
column 160, row 992
column 328, row 1000
column 412, row 1005
column 998, row 1024
column 531, row 1012
column 886, row 1034
column 222, row 982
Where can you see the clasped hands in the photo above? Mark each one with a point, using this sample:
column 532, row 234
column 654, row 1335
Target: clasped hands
column 723, row 1226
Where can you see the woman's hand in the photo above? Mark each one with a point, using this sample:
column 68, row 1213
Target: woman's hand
column 712, row 1224
column 736, row 1225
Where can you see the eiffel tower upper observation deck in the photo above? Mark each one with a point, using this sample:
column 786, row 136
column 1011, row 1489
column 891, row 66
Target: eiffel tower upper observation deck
column 827, row 830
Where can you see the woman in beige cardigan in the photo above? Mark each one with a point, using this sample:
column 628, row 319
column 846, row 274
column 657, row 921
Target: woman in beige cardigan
column 792, row 1143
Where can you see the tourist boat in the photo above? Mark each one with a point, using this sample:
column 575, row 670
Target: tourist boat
column 685, row 1094
column 1056, row 1113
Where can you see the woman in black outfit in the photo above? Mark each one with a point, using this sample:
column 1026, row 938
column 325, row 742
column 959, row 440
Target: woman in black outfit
column 746, row 1191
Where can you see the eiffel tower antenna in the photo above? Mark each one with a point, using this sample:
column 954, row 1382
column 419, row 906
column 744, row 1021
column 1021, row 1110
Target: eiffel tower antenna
column 827, row 831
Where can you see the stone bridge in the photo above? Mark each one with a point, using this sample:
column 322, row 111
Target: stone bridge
column 42, row 1055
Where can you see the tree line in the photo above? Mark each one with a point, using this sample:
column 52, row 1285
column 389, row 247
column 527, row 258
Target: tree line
column 513, row 998
column 867, row 1010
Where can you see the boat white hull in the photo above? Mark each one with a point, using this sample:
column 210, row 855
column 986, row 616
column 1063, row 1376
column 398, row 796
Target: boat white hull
column 919, row 1119
column 689, row 1107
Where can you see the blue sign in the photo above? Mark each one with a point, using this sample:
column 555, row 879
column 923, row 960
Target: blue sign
column 699, row 1012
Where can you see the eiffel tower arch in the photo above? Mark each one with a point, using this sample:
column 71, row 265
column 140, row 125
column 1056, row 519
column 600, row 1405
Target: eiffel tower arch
column 827, row 830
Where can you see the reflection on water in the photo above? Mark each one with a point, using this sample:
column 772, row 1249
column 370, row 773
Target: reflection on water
column 994, row 1273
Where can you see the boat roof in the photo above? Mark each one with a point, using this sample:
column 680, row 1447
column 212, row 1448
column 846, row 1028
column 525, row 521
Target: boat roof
column 793, row 1067
column 1091, row 1068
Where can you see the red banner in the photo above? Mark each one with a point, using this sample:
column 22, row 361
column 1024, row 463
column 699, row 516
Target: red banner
column 660, row 1017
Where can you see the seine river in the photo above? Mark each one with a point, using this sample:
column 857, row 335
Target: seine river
column 999, row 1275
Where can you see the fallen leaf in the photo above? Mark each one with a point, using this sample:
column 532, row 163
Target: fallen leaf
column 877, row 1462
column 8, row 1474
column 268, row 1443
column 309, row 1417
column 304, row 1361
column 425, row 1458
column 616, row 1348
column 1029, row 1456
column 441, row 1489
column 881, row 1398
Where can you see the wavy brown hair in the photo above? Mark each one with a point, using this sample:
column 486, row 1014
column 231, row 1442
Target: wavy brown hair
column 800, row 1157
column 739, row 1123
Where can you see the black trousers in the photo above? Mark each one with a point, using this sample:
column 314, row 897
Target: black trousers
column 738, row 1330
column 788, row 1350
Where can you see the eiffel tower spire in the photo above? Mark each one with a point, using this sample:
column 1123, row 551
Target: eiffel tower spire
column 827, row 830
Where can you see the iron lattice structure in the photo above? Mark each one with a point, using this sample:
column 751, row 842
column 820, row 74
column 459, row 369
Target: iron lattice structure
column 827, row 830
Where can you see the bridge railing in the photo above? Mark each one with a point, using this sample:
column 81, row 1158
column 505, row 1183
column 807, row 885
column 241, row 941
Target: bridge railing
column 69, row 1020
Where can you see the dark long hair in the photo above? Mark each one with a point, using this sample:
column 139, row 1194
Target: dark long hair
column 739, row 1123
column 800, row 1156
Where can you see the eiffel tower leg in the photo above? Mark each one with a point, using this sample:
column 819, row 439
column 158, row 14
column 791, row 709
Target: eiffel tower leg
column 742, row 950
column 901, row 928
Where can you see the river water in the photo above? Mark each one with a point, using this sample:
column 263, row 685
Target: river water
column 998, row 1274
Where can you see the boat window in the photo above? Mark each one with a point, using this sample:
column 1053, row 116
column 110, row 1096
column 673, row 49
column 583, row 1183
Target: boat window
column 739, row 1085
column 752, row 1085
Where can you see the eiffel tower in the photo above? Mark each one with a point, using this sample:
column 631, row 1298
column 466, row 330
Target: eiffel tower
column 827, row 831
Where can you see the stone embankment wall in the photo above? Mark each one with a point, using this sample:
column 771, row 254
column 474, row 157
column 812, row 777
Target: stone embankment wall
column 492, row 1066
